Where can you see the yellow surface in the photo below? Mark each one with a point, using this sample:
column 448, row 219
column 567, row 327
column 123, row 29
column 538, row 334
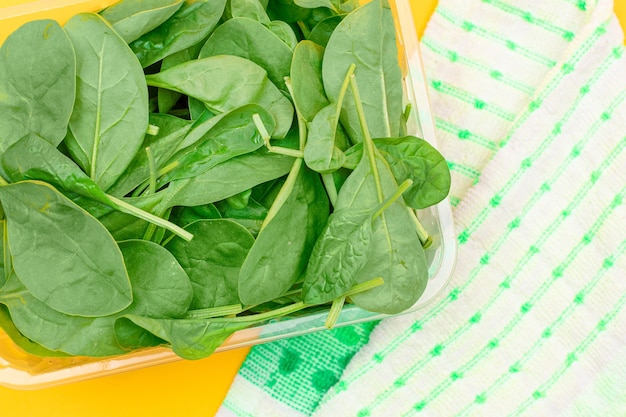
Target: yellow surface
column 177, row 389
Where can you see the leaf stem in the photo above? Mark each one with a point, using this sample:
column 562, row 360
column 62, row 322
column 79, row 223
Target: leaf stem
column 335, row 309
column 423, row 235
column 389, row 201
column 284, row 192
column 153, row 130
column 207, row 313
column 343, row 89
column 368, row 143
column 279, row 312
column 331, row 189
column 151, row 218
column 266, row 140
column 365, row 286
column 153, row 170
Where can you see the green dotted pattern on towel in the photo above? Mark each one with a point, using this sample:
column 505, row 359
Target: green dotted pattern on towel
column 299, row 371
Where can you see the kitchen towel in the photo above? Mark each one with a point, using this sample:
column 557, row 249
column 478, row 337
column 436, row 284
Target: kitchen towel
column 529, row 99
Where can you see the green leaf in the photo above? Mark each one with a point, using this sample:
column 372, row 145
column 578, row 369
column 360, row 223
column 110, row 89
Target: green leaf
column 311, row 4
column 338, row 255
column 190, row 339
column 212, row 260
column 37, row 83
column 134, row 18
column 213, row 80
column 167, row 98
column 280, row 253
column 192, row 23
column 234, row 134
column 367, row 38
column 284, row 32
column 20, row 340
column 251, row 9
column 412, row 158
column 32, row 158
column 227, row 179
column 251, row 40
column 321, row 152
column 320, row 34
column 306, row 79
column 172, row 132
column 161, row 289
column 110, row 115
column 50, row 236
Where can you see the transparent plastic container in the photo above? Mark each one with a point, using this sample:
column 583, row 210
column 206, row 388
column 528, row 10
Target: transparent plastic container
column 23, row 371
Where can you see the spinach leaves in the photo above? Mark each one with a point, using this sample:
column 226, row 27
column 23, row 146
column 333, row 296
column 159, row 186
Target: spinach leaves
column 173, row 171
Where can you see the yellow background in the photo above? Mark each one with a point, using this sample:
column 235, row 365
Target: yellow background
column 190, row 389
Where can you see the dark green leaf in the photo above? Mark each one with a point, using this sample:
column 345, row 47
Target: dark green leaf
column 306, row 79
column 251, row 40
column 134, row 18
column 234, row 134
column 415, row 159
column 288, row 236
column 50, row 236
column 190, row 339
column 192, row 23
column 37, row 83
column 110, row 115
column 212, row 259
column 338, row 255
column 367, row 38
column 32, row 158
column 226, row 82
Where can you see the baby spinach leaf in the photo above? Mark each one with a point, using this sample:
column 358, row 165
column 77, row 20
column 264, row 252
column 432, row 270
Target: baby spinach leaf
column 339, row 254
column 311, row 4
column 251, row 9
column 184, row 216
column 284, row 32
column 32, row 158
column 37, row 83
column 110, row 114
column 192, row 23
column 226, row 82
column 227, row 179
column 288, row 234
column 50, row 236
column 413, row 158
column 23, row 342
column 161, row 289
column 213, row 260
column 133, row 18
column 321, row 152
column 366, row 37
column 189, row 338
column 172, row 131
column 251, row 40
column 5, row 260
column 287, row 11
column 320, row 34
column 234, row 134
column 167, row 98
column 55, row 331
column 306, row 79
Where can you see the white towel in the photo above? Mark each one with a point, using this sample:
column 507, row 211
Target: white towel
column 529, row 99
